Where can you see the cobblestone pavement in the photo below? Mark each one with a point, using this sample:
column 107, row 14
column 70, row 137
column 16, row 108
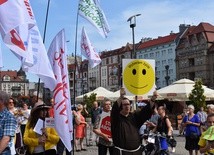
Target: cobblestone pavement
column 180, row 150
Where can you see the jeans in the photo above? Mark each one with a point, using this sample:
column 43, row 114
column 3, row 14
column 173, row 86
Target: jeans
column 6, row 152
column 61, row 148
column 102, row 149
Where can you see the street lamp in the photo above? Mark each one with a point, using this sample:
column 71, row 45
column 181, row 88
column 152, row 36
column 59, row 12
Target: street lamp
column 167, row 77
column 132, row 21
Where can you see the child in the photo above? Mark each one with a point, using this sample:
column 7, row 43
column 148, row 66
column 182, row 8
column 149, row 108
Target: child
column 206, row 141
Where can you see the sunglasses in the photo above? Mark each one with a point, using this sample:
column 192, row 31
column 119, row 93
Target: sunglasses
column 126, row 104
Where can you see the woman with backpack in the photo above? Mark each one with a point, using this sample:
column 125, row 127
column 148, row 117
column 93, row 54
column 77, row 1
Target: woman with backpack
column 164, row 126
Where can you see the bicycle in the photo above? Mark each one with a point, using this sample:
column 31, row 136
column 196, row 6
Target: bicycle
column 155, row 144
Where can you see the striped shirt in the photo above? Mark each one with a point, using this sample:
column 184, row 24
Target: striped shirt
column 8, row 124
column 202, row 115
column 101, row 140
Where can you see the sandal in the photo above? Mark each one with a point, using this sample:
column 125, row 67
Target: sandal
column 84, row 149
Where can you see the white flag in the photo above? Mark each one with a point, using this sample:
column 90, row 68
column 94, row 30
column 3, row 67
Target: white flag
column 88, row 50
column 57, row 54
column 41, row 64
column 94, row 14
column 13, row 14
column 26, row 37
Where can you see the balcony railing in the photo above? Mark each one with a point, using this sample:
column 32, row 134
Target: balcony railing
column 92, row 78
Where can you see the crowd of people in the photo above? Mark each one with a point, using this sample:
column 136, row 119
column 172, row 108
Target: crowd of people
column 196, row 127
column 110, row 127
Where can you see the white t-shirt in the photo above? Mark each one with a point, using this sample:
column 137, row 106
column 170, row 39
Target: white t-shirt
column 26, row 114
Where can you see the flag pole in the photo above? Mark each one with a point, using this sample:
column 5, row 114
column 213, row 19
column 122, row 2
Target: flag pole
column 44, row 35
column 75, row 67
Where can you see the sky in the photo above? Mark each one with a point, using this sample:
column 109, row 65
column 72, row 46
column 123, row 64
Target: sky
column 158, row 18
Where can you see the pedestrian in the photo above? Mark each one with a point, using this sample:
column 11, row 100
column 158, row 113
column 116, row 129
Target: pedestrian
column 203, row 117
column 192, row 133
column 80, row 128
column 25, row 116
column 207, row 145
column 164, row 126
column 11, row 106
column 181, row 126
column 95, row 111
column 102, row 128
column 153, row 121
column 145, row 127
column 125, row 125
column 36, row 97
column 44, row 142
column 8, row 125
column 210, row 109
column 51, row 110
column 149, row 124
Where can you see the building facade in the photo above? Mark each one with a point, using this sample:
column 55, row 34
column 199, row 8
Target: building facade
column 111, row 67
column 14, row 83
column 162, row 50
column 186, row 54
column 194, row 55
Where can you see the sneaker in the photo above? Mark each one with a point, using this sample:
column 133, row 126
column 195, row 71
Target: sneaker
column 173, row 150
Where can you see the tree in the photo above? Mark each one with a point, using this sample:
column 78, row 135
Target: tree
column 197, row 97
column 88, row 101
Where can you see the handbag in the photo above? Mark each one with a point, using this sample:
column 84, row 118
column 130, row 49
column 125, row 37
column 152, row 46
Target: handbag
column 172, row 142
column 193, row 135
column 23, row 150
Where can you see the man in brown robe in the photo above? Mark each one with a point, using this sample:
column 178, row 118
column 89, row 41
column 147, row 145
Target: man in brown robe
column 125, row 126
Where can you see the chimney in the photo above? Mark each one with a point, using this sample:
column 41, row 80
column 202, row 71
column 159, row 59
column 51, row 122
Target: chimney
column 183, row 27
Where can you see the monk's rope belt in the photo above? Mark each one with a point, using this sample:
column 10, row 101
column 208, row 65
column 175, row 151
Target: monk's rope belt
column 125, row 150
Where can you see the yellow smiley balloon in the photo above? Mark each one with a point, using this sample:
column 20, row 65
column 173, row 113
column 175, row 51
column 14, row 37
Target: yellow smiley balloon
column 139, row 77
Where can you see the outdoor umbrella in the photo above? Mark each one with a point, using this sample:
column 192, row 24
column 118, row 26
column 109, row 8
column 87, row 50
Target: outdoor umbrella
column 100, row 91
column 180, row 90
column 115, row 95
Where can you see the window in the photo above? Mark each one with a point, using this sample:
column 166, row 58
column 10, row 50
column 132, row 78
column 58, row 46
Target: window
column 170, row 61
column 170, row 71
column 107, row 61
column 6, row 78
column 157, row 63
column 115, row 59
column 170, row 51
column 164, row 73
column 151, row 55
column 163, row 62
column 158, row 73
column 191, row 62
column 163, row 52
column 104, row 61
column 157, row 54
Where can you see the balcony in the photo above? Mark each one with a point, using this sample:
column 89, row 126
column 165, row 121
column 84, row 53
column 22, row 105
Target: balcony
column 92, row 78
column 92, row 87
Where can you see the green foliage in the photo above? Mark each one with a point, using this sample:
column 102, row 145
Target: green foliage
column 88, row 100
column 197, row 97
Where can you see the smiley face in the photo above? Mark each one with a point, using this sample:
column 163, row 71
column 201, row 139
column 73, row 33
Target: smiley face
column 139, row 77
